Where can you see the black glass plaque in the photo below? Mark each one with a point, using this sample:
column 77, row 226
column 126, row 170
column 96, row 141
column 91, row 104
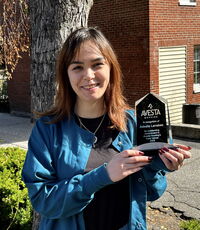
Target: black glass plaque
column 153, row 128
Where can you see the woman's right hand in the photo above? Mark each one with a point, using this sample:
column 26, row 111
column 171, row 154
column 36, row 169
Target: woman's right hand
column 126, row 163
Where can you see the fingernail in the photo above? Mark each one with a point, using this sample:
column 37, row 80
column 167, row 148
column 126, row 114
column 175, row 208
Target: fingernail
column 189, row 147
column 165, row 149
column 160, row 151
column 150, row 158
column 142, row 153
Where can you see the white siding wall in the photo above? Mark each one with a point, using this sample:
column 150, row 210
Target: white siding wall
column 172, row 79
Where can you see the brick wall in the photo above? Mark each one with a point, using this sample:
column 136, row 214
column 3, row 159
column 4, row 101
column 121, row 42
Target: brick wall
column 125, row 24
column 19, row 88
column 172, row 25
column 137, row 29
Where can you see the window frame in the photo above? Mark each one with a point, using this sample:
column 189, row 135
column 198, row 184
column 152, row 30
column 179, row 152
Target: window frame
column 196, row 86
column 187, row 3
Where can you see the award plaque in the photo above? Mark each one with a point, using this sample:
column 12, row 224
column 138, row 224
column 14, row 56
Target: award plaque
column 153, row 124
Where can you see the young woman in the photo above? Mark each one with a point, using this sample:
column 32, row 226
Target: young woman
column 81, row 170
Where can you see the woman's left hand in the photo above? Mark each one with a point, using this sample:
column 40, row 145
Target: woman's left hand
column 173, row 158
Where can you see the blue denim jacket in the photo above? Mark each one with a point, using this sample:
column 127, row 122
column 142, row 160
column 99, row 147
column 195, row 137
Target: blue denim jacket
column 58, row 188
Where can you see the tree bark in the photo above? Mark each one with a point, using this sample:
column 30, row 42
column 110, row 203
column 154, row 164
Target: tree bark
column 51, row 22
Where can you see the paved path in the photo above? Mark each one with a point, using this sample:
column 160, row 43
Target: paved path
column 14, row 131
column 183, row 192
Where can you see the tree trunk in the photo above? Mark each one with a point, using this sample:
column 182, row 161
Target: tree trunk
column 51, row 22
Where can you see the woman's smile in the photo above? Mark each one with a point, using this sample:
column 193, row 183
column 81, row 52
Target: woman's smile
column 91, row 86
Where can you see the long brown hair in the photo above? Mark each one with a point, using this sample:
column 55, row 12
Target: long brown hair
column 65, row 97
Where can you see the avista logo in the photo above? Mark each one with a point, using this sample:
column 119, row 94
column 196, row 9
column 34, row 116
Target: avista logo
column 150, row 112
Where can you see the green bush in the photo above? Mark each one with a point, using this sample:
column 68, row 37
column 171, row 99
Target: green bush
column 15, row 207
column 190, row 225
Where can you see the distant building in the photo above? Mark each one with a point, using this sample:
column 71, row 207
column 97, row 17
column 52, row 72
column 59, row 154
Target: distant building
column 158, row 45
column 19, row 88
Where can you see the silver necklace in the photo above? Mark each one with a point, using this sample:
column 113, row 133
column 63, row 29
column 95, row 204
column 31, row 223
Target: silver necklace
column 95, row 137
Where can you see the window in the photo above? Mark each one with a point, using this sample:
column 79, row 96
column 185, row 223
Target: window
column 187, row 2
column 197, row 69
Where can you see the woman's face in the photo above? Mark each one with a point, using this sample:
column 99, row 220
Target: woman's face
column 89, row 74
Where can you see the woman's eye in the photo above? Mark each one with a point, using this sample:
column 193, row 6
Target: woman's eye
column 77, row 68
column 98, row 64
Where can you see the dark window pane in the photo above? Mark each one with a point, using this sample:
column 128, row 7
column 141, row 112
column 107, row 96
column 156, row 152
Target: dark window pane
column 197, row 53
column 197, row 66
column 198, row 78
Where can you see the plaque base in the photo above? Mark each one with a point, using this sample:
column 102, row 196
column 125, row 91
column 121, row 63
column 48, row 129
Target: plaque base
column 152, row 148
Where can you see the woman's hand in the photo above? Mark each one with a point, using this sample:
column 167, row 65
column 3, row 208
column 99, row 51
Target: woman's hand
column 173, row 158
column 126, row 163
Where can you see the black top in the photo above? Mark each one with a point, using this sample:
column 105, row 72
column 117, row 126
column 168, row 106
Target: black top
column 109, row 210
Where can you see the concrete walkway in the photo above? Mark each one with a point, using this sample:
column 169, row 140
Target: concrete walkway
column 183, row 192
column 14, row 131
